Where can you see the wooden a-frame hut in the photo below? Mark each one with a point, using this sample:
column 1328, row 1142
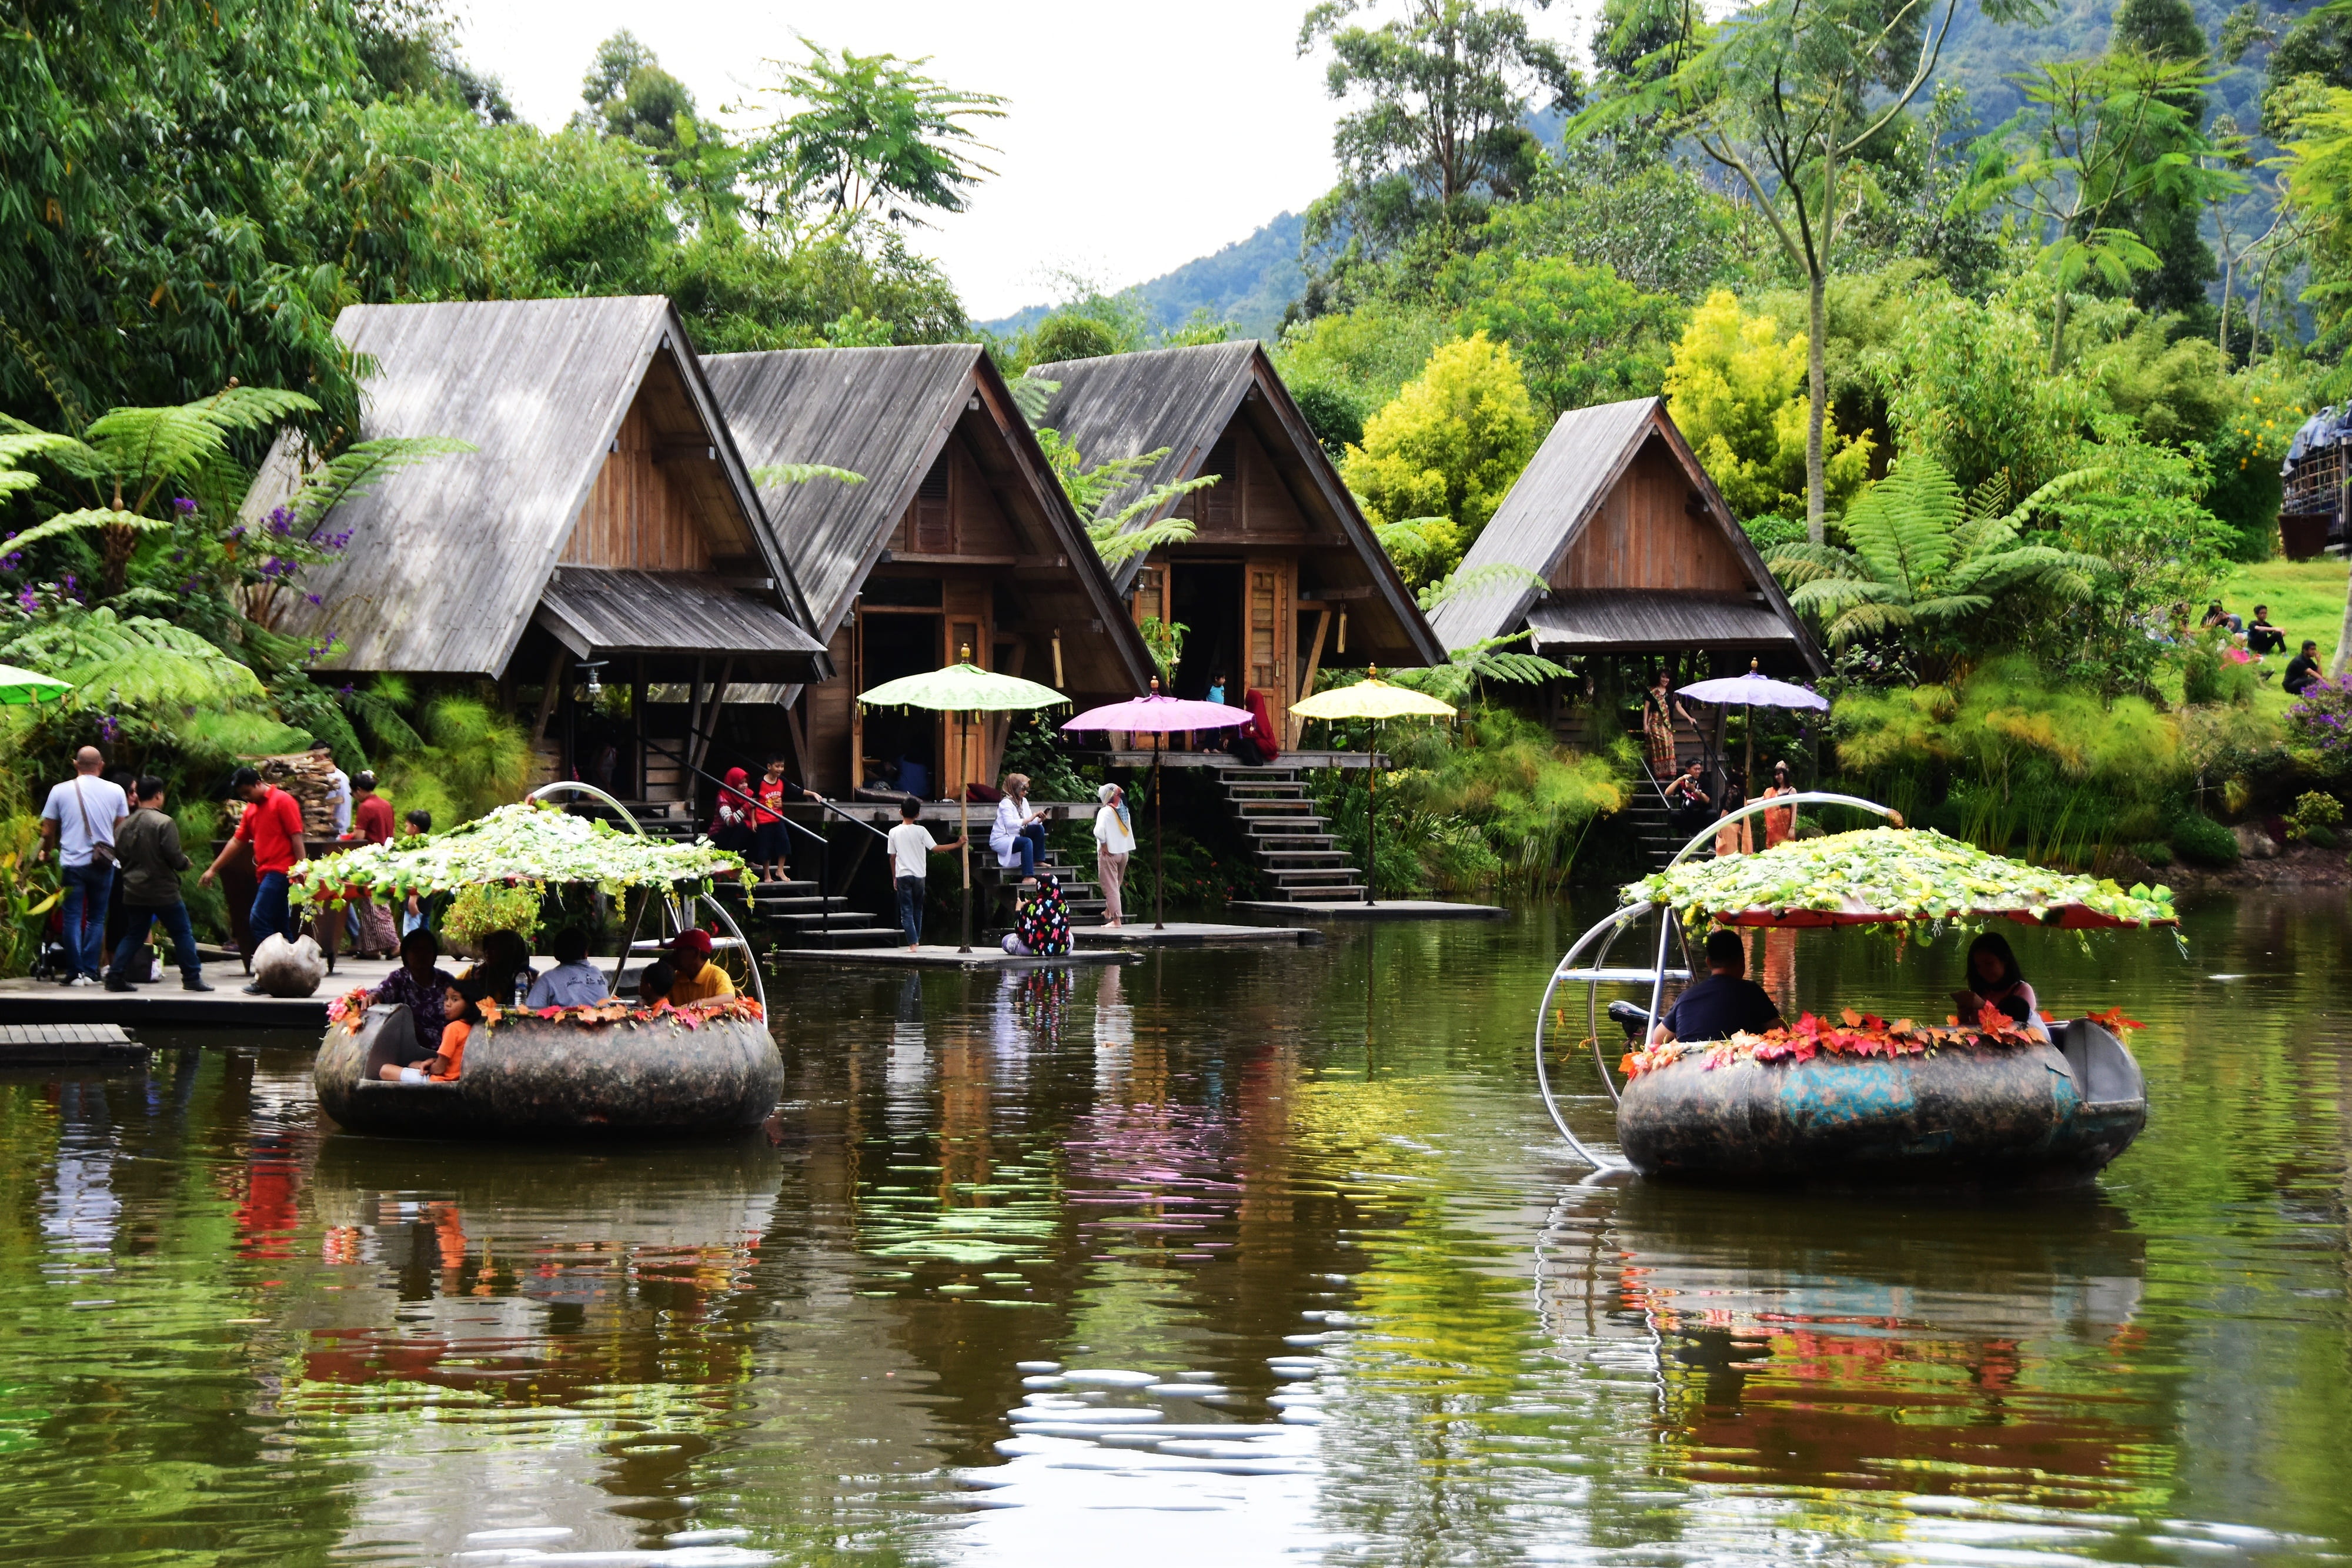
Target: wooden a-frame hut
column 959, row 539
column 604, row 525
column 1639, row 558
column 1283, row 575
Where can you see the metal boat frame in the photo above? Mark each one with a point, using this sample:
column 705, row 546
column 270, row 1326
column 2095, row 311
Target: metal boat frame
column 1611, row 927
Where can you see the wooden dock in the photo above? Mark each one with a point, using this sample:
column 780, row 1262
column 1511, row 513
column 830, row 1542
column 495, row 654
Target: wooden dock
column 1386, row 909
column 1195, row 934
column 983, row 956
column 68, row 1045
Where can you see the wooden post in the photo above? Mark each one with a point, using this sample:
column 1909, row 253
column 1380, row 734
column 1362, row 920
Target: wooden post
column 699, row 747
column 550, row 692
column 1306, row 679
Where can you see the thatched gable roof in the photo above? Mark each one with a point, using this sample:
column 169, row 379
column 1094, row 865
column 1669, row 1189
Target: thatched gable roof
column 1552, row 505
column 449, row 559
column 1185, row 399
column 886, row 414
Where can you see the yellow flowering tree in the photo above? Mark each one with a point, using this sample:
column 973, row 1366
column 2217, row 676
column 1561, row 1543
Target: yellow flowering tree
column 1450, row 443
column 1736, row 390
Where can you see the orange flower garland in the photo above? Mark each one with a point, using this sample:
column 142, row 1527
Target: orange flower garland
column 1859, row 1034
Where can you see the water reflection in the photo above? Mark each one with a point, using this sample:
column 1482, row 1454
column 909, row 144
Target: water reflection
column 1232, row 1257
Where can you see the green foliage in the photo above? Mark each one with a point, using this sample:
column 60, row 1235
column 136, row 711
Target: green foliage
column 1966, row 385
column 1034, row 745
column 2099, row 143
column 1363, row 356
column 28, row 891
column 1164, row 640
column 2264, row 405
column 1450, row 443
column 482, row 907
column 1917, row 558
column 1434, row 127
column 1121, row 530
column 1425, row 550
column 2314, row 813
column 2200, row 841
column 2033, row 764
column 1467, row 672
column 1491, row 796
column 473, row 758
column 1735, row 391
column 1582, row 334
column 872, row 137
column 138, row 662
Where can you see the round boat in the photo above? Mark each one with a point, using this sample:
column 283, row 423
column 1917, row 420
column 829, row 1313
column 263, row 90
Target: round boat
column 531, row 1076
column 2038, row 1115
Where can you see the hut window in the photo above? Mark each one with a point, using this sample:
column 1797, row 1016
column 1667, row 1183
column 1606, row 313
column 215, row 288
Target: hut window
column 934, row 511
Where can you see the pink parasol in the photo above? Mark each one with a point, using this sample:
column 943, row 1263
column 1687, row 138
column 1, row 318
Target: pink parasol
column 1156, row 715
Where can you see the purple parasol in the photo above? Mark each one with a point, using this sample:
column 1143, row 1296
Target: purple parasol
column 1156, row 715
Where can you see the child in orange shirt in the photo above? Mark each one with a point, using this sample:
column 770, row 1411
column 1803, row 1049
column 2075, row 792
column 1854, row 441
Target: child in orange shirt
column 462, row 1010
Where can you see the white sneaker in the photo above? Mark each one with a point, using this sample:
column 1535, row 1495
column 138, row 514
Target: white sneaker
column 82, row 981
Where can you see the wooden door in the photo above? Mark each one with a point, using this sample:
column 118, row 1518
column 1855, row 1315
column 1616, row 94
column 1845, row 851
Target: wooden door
column 1269, row 631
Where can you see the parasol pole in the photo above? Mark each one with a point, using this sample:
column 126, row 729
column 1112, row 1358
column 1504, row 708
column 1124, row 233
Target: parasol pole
column 1371, row 814
column 1158, row 858
column 963, row 820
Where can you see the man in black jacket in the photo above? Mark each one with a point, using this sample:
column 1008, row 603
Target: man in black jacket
column 147, row 847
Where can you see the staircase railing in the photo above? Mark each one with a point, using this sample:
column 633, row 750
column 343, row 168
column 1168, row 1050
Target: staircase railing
column 824, row 844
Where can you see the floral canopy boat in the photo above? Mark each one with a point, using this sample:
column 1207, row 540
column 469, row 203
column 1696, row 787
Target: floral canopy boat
column 609, row 1068
column 1857, row 1098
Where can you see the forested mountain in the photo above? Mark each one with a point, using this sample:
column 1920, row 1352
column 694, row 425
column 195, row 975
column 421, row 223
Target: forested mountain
column 1249, row 283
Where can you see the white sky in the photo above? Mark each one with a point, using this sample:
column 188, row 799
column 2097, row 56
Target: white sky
column 1138, row 136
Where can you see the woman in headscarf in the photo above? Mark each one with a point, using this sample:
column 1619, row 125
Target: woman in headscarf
column 1997, row 988
column 1114, row 842
column 1018, row 834
column 731, row 827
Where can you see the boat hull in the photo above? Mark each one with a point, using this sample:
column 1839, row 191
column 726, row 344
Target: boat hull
column 2038, row 1116
column 532, row 1077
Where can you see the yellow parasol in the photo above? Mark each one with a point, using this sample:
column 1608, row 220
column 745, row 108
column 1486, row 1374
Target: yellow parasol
column 1375, row 699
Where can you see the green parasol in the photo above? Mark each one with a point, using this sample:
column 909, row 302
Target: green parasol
column 1375, row 699
column 18, row 687
column 964, row 688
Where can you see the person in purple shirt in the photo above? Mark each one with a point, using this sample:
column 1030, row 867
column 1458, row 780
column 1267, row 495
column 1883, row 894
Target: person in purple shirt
column 419, row 984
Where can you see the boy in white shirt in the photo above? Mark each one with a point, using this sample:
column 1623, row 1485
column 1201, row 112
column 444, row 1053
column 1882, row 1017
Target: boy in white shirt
column 910, row 842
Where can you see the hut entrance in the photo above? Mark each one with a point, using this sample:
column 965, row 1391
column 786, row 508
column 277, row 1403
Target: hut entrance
column 1205, row 597
column 899, row 749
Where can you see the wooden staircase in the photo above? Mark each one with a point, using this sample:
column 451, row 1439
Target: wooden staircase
column 1287, row 840
column 794, row 914
column 996, row 889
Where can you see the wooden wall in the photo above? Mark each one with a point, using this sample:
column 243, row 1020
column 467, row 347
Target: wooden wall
column 1249, row 504
column 954, row 513
column 636, row 516
column 1647, row 535
column 828, row 706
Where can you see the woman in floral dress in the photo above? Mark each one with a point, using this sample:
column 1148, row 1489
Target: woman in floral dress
column 1659, row 711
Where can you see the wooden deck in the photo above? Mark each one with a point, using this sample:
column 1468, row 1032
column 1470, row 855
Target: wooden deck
column 68, row 1045
column 1386, row 909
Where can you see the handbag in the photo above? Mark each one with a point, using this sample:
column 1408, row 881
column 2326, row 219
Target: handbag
column 100, row 853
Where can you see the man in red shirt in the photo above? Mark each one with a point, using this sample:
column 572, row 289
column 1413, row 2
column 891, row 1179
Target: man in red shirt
column 368, row 922
column 272, row 825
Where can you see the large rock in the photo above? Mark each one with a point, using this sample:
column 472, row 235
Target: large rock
column 284, row 968
column 2253, row 843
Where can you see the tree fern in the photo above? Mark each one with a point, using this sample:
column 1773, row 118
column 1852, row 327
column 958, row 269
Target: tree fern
column 774, row 473
column 1033, row 397
column 1478, row 579
column 1123, row 533
column 347, row 476
column 1468, row 668
column 135, row 662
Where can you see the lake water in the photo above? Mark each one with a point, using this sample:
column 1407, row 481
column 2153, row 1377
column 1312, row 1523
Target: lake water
column 1305, row 1200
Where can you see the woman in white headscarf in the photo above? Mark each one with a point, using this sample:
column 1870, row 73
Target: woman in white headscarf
column 1114, row 842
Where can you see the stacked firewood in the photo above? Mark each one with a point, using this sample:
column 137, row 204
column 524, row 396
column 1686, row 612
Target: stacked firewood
column 305, row 776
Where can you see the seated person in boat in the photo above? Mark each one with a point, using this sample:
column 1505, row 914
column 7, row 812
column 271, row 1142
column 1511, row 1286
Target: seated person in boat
column 699, row 979
column 505, row 966
column 417, row 985
column 1997, row 987
column 653, row 983
column 460, row 1011
column 1723, row 1004
column 575, row 982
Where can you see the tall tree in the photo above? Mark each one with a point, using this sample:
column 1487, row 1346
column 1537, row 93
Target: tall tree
column 1786, row 95
column 2167, row 221
column 1441, row 94
column 873, row 137
column 2097, row 142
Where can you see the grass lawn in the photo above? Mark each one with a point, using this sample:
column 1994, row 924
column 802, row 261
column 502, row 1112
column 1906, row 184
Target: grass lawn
column 2306, row 600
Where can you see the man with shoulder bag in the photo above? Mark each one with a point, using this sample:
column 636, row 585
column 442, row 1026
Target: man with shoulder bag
column 152, row 862
column 79, row 821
